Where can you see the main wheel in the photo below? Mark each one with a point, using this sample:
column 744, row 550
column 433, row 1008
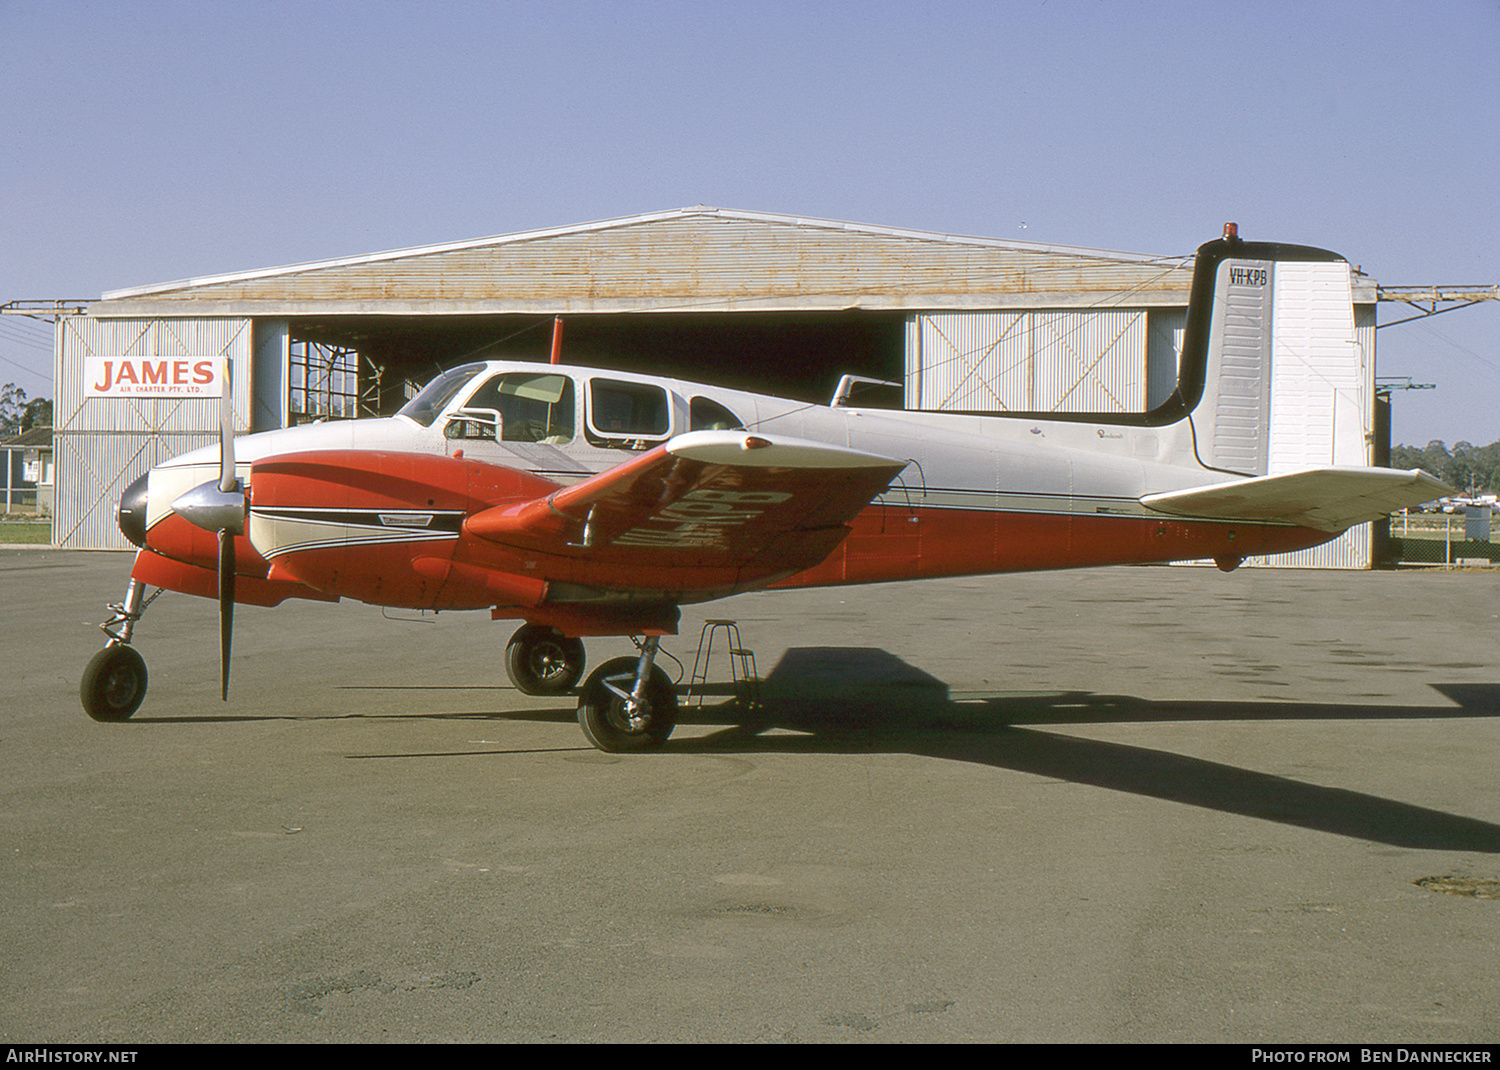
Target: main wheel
column 114, row 683
column 543, row 661
column 605, row 716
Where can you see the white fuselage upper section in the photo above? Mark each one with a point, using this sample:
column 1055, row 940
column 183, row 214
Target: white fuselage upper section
column 565, row 423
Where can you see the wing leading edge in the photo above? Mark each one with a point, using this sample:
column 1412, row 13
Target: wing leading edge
column 1329, row 499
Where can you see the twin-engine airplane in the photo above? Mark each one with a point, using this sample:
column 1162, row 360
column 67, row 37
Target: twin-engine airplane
column 588, row 502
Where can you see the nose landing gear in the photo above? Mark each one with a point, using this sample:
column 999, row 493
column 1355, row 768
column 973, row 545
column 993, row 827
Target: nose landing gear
column 114, row 682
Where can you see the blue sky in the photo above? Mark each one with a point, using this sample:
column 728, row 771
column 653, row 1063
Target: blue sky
column 150, row 141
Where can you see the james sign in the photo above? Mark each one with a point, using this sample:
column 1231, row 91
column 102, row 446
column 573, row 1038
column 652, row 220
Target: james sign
column 156, row 377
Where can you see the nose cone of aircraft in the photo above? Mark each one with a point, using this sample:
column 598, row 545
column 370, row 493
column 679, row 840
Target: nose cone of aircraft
column 132, row 513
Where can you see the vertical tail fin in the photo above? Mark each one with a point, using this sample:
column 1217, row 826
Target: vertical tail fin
column 1268, row 372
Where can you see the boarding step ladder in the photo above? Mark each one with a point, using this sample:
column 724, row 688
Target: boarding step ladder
column 741, row 665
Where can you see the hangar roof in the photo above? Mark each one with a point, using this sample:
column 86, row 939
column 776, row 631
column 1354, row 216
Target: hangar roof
column 697, row 259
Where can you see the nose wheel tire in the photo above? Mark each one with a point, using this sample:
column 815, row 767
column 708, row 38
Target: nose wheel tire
column 543, row 661
column 612, row 721
column 114, row 684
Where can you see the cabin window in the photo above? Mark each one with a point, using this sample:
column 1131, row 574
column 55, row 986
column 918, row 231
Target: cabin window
column 626, row 415
column 706, row 414
column 522, row 406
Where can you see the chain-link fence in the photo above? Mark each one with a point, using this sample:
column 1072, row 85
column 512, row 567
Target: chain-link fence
column 1445, row 539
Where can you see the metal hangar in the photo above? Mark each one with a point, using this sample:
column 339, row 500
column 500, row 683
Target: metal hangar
column 773, row 303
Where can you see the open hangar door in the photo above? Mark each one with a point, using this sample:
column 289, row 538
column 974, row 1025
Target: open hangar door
column 798, row 355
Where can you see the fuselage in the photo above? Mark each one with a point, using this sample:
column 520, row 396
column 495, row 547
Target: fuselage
column 980, row 494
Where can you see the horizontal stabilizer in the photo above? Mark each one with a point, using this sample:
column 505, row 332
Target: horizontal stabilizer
column 1325, row 499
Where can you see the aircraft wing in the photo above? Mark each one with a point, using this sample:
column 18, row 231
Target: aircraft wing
column 705, row 500
column 1325, row 499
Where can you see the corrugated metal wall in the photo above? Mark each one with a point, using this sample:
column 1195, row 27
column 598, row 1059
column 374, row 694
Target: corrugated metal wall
column 1127, row 360
column 1094, row 361
column 1351, row 550
column 102, row 444
column 272, row 353
column 1166, row 327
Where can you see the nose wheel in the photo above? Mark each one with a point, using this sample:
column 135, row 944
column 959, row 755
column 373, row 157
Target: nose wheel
column 114, row 681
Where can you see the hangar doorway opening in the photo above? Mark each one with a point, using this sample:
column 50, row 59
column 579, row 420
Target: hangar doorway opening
column 327, row 381
column 349, row 367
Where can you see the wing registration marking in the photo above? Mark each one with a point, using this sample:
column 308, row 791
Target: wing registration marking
column 701, row 518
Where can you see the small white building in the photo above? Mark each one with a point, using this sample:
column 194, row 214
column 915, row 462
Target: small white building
column 26, row 473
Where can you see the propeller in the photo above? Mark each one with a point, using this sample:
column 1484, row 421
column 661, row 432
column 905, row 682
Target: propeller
column 226, row 608
column 229, row 485
column 220, row 506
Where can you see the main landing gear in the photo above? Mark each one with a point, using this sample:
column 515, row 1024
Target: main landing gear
column 628, row 703
column 114, row 683
column 543, row 661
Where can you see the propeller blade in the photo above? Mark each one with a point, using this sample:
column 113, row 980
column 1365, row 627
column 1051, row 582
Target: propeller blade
column 227, row 481
column 226, row 607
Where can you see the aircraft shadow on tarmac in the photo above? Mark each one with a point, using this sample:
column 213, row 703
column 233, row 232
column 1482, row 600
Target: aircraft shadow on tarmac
column 856, row 699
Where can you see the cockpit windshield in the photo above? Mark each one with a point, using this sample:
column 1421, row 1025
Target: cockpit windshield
column 429, row 404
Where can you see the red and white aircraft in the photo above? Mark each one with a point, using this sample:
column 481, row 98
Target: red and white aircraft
column 588, row 502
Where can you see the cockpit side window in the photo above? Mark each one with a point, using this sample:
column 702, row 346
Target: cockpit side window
column 627, row 415
column 530, row 407
column 706, row 414
column 433, row 398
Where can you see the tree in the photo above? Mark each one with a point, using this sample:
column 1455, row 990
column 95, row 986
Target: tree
column 1468, row 467
column 38, row 413
column 12, row 406
column 18, row 415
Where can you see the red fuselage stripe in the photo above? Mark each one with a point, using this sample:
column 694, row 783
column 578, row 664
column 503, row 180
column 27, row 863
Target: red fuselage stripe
column 886, row 544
